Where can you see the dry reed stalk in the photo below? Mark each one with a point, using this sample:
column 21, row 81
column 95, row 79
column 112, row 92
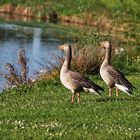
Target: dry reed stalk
column 22, row 60
column 86, row 59
column 12, row 77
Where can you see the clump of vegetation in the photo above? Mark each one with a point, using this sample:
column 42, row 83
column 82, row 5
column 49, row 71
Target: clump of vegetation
column 86, row 59
column 13, row 76
column 23, row 61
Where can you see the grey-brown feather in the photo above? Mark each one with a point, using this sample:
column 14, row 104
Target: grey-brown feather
column 84, row 82
column 119, row 78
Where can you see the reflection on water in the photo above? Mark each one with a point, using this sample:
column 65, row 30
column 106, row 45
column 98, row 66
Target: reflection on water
column 37, row 42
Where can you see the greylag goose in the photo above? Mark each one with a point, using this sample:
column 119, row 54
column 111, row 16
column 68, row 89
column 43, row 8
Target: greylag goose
column 111, row 76
column 73, row 80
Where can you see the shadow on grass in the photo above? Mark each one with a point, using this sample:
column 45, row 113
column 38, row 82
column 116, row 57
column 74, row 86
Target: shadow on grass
column 113, row 99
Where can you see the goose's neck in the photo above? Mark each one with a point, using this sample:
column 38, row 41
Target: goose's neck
column 66, row 64
column 107, row 56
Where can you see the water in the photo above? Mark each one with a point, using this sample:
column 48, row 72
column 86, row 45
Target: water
column 38, row 43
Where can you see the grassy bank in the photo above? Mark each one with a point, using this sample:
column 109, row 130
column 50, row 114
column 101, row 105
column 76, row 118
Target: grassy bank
column 78, row 7
column 83, row 11
column 44, row 111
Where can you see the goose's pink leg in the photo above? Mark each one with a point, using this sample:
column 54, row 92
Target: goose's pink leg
column 110, row 92
column 117, row 92
column 78, row 95
column 72, row 99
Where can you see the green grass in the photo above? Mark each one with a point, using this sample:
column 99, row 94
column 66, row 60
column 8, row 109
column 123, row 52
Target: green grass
column 44, row 111
column 80, row 6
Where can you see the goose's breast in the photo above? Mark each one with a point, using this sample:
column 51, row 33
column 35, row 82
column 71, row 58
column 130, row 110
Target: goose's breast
column 105, row 76
column 67, row 81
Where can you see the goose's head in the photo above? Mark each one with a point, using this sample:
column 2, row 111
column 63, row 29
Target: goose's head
column 105, row 44
column 65, row 47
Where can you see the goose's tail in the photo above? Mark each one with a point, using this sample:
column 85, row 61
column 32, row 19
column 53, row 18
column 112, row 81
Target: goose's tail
column 93, row 88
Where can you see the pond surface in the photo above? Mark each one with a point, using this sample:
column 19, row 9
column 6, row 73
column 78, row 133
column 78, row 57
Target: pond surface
column 38, row 43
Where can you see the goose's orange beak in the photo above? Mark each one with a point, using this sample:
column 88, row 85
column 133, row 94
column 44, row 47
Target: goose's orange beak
column 102, row 44
column 61, row 47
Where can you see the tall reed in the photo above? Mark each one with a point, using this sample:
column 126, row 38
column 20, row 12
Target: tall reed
column 13, row 76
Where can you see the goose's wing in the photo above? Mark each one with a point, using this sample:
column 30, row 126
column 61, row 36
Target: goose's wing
column 119, row 78
column 85, row 82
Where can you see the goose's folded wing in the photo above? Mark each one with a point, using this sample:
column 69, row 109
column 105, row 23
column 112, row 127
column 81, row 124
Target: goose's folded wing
column 119, row 78
column 79, row 79
column 85, row 82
